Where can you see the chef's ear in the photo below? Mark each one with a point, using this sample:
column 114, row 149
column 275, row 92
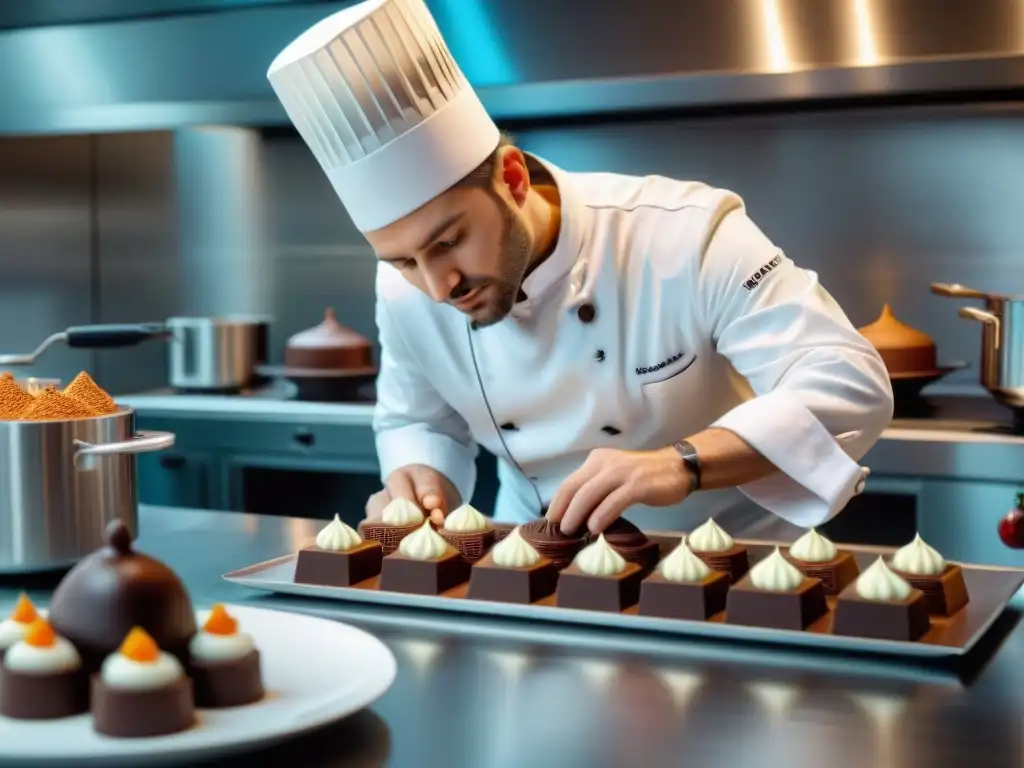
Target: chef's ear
column 514, row 174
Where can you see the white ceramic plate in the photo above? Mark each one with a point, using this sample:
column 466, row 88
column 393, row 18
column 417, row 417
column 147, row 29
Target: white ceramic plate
column 315, row 671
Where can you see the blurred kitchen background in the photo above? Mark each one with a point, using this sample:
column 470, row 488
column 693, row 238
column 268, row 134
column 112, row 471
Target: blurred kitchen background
column 147, row 171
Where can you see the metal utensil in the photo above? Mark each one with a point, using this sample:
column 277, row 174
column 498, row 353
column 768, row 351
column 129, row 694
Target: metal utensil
column 94, row 337
column 216, row 354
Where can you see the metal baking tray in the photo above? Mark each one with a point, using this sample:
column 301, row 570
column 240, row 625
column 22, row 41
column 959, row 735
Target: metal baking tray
column 989, row 589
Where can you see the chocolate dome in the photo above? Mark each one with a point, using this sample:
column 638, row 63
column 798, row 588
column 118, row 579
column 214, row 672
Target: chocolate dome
column 903, row 349
column 632, row 543
column 328, row 346
column 114, row 589
column 549, row 541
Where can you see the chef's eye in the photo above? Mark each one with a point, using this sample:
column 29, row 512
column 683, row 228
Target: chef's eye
column 447, row 245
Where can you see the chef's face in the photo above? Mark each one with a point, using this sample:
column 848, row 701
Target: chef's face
column 469, row 247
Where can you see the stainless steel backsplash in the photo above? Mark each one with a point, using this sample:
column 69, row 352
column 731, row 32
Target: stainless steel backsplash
column 113, row 228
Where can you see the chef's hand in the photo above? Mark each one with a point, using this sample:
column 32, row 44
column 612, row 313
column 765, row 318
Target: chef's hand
column 611, row 481
column 422, row 485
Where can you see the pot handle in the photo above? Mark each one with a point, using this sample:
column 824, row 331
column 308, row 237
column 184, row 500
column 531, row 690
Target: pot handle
column 957, row 291
column 970, row 313
column 145, row 441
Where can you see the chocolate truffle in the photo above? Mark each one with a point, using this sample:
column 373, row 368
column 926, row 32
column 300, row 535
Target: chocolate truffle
column 114, row 589
column 817, row 557
column 141, row 691
column 41, row 677
column 882, row 606
column 717, row 548
column 399, row 518
column 599, row 579
column 942, row 583
column 425, row 564
column 15, row 627
column 512, row 572
column 549, row 541
column 630, row 542
column 338, row 558
column 777, row 596
column 328, row 346
column 224, row 664
column 683, row 587
column 469, row 532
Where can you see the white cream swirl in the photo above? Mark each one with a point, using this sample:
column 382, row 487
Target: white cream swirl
column 514, row 552
column 337, row 537
column 682, row 566
column 710, row 538
column 402, row 512
column 207, row 646
column 918, row 559
column 466, row 519
column 30, row 659
column 118, row 671
column 776, row 574
column 423, row 544
column 812, row 547
column 599, row 559
column 879, row 583
column 12, row 631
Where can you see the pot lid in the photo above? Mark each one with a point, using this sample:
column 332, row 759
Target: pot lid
column 329, row 334
column 889, row 333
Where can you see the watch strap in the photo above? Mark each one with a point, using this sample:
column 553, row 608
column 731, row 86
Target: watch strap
column 690, row 458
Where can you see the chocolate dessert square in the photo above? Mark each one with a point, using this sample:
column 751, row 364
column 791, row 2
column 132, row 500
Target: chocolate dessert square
column 599, row 593
column 734, row 561
column 338, row 569
column 488, row 581
column 835, row 575
column 676, row 600
column 796, row 610
column 945, row 593
column 423, row 577
column 905, row 620
column 47, row 696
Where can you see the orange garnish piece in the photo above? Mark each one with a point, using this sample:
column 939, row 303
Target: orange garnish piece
column 220, row 622
column 139, row 646
column 24, row 612
column 40, row 634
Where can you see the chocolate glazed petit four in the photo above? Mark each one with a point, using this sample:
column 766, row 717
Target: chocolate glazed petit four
column 599, row 579
column 633, row 544
column 512, row 572
column 776, row 595
column 15, row 627
column 469, row 532
column 399, row 519
column 882, row 606
column 224, row 664
column 425, row 564
column 338, row 558
column 942, row 583
column 817, row 557
column 41, row 677
column 549, row 541
column 141, row 691
column 683, row 587
column 717, row 548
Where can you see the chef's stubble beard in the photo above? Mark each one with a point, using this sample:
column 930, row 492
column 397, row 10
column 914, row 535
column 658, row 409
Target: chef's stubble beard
column 515, row 248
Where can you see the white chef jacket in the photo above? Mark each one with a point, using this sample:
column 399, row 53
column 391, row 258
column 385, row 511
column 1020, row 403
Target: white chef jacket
column 663, row 310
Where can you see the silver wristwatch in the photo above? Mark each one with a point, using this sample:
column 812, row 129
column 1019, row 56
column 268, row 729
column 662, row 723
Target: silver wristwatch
column 690, row 458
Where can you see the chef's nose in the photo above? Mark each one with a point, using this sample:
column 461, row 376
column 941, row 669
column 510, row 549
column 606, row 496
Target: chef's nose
column 440, row 281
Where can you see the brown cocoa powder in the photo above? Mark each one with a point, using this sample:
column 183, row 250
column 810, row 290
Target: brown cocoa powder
column 88, row 393
column 51, row 405
column 13, row 399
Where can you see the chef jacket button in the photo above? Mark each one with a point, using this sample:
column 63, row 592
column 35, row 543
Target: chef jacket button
column 508, row 426
column 611, row 431
column 586, row 313
column 599, row 355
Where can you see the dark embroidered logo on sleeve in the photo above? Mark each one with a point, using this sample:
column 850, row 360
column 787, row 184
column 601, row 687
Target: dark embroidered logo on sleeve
column 755, row 279
column 644, row 370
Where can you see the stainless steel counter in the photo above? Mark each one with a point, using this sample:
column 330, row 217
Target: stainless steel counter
column 487, row 693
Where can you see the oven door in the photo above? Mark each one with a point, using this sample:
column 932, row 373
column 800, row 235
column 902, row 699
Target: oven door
column 288, row 486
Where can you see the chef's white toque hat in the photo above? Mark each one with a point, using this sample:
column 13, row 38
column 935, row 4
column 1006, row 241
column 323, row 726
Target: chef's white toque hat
column 376, row 95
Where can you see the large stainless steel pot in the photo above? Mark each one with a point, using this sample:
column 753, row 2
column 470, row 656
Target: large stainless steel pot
column 61, row 482
column 216, row 354
column 1002, row 340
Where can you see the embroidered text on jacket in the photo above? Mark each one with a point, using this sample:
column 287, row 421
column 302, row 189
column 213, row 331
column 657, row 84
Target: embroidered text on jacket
column 644, row 370
column 755, row 279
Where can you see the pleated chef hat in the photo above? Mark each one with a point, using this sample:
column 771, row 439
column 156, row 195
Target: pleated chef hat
column 376, row 95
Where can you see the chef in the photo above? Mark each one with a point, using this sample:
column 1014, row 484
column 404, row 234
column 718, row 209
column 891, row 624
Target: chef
column 614, row 340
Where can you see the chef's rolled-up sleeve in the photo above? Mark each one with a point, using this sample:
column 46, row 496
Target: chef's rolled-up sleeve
column 413, row 424
column 822, row 394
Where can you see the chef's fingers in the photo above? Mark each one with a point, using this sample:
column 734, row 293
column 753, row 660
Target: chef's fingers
column 376, row 503
column 611, row 509
column 565, row 493
column 586, row 500
column 428, row 491
column 400, row 486
column 437, row 517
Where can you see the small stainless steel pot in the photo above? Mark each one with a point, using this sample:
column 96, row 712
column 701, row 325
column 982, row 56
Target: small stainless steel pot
column 216, row 354
column 1002, row 340
column 62, row 482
